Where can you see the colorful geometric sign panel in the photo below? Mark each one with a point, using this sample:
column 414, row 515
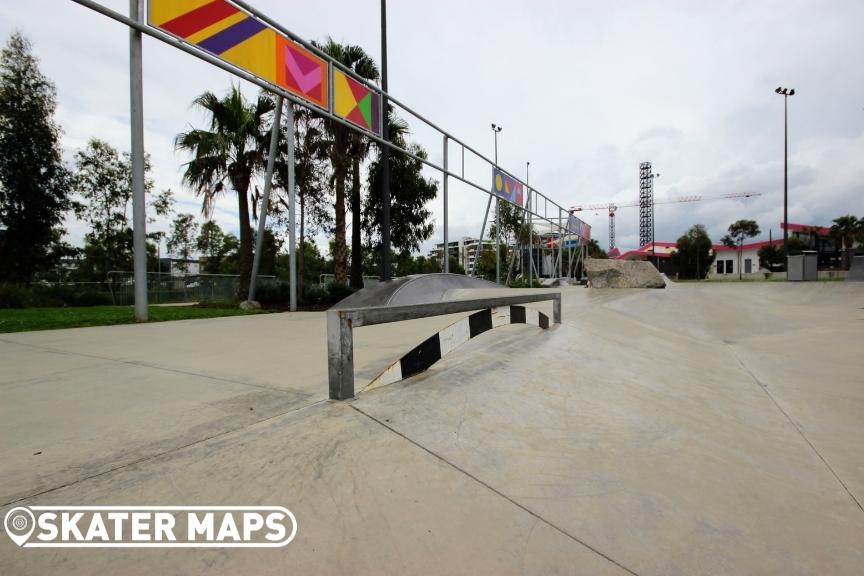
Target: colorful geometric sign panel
column 226, row 31
column 579, row 228
column 356, row 103
column 506, row 186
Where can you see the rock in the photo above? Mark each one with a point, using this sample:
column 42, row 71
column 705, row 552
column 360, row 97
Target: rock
column 622, row 274
column 250, row 305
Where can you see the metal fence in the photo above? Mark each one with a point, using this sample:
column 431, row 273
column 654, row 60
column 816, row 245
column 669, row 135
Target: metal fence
column 166, row 289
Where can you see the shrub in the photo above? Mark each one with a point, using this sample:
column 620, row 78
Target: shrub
column 273, row 293
column 523, row 283
column 338, row 291
column 315, row 294
column 14, row 296
column 39, row 296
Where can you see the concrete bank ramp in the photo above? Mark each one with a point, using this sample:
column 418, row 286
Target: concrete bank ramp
column 415, row 289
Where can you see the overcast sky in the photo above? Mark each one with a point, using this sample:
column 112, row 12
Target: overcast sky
column 585, row 91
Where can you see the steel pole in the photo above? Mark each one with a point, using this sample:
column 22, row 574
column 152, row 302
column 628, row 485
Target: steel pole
column 446, row 236
column 480, row 242
column 385, row 154
column 560, row 246
column 530, row 226
column 139, row 206
column 265, row 199
column 786, row 181
column 497, row 223
column 292, row 203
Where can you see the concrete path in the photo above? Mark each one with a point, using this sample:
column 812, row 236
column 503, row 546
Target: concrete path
column 701, row 429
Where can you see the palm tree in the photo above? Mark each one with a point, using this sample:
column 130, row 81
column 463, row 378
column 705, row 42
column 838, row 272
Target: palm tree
column 845, row 229
column 348, row 148
column 233, row 149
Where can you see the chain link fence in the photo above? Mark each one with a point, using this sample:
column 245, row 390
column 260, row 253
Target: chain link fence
column 165, row 289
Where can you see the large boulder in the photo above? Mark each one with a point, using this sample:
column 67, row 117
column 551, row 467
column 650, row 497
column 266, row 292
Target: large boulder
column 622, row 274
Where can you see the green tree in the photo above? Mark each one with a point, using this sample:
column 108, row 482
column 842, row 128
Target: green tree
column 595, row 251
column 845, row 229
column 347, row 150
column 771, row 257
column 693, row 253
column 103, row 195
column 312, row 179
column 182, row 240
column 234, row 150
column 34, row 185
column 315, row 265
column 738, row 232
column 410, row 191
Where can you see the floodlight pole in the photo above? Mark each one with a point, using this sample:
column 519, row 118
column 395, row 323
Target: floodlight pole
column 139, row 207
column 495, row 131
column 265, row 198
column 785, row 180
column 385, row 154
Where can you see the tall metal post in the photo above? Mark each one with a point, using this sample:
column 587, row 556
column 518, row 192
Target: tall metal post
column 480, row 242
column 530, row 227
column 786, row 177
column 139, row 206
column 385, row 154
column 265, row 198
column 495, row 131
column 292, row 210
column 446, row 236
column 560, row 246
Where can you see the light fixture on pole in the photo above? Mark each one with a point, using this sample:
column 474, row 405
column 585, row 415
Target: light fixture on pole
column 785, row 92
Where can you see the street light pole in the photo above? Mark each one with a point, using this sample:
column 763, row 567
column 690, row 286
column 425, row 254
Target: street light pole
column 385, row 155
column 785, row 92
column 495, row 130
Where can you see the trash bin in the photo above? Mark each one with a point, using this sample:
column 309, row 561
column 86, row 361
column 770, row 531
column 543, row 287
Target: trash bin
column 803, row 267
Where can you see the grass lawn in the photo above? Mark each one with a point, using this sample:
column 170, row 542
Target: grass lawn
column 27, row 319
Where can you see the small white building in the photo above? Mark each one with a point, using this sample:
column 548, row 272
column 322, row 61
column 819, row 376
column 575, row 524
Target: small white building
column 726, row 261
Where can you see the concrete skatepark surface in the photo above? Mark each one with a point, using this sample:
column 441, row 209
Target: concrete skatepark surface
column 702, row 429
column 415, row 289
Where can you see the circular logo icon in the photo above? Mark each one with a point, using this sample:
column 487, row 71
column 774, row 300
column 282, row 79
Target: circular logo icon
column 499, row 182
column 19, row 523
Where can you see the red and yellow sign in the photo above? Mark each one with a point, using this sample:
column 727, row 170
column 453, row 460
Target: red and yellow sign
column 235, row 36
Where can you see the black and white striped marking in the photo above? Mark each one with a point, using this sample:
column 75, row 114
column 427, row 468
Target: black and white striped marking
column 439, row 345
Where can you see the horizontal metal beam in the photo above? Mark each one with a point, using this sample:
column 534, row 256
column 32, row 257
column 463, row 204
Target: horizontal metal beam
column 385, row 314
column 194, row 51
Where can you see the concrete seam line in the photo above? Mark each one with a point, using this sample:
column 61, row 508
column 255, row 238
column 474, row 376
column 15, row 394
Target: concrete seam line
column 796, row 427
column 495, row 490
column 154, row 456
column 141, row 364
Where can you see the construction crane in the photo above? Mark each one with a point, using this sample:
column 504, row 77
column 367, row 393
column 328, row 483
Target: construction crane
column 612, row 207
